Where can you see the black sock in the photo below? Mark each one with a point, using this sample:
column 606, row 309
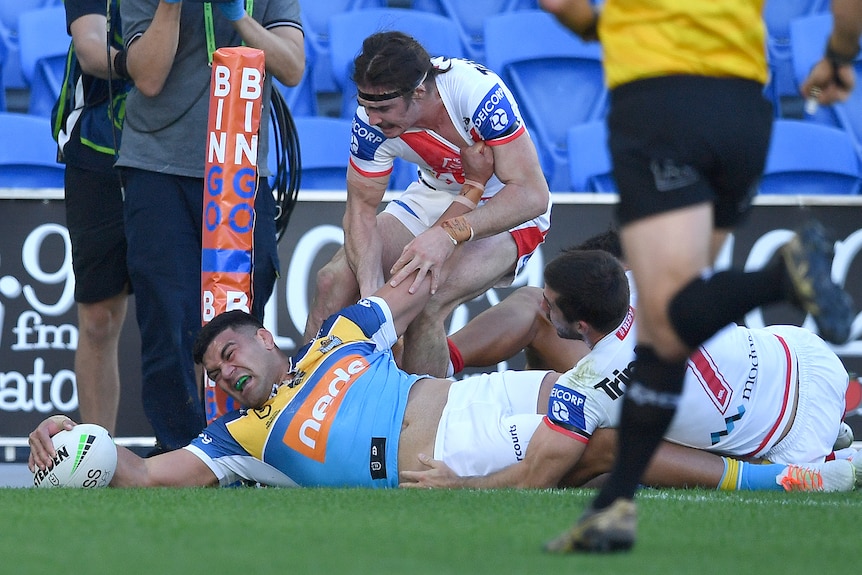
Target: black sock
column 704, row 306
column 648, row 408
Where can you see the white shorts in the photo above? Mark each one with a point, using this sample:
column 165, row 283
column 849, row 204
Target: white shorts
column 488, row 421
column 418, row 207
column 823, row 383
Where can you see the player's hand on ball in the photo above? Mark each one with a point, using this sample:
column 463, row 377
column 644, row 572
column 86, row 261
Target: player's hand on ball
column 41, row 447
column 80, row 456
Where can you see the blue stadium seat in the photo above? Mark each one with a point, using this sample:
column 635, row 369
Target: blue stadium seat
column 10, row 11
column 470, row 17
column 302, row 98
column 28, row 153
column 778, row 15
column 808, row 158
column 324, row 145
column 437, row 34
column 557, row 79
column 589, row 158
column 315, row 23
column 4, row 53
column 46, row 84
column 809, row 37
column 44, row 47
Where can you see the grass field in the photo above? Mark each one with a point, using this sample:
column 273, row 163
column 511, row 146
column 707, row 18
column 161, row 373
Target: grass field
column 331, row 531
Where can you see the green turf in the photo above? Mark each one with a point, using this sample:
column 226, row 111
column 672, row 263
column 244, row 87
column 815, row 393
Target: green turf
column 326, row 531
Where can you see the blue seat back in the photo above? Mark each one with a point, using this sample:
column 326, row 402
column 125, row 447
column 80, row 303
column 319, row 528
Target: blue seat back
column 4, row 54
column 808, row 158
column 324, row 145
column 315, row 23
column 590, row 166
column 47, row 83
column 28, row 153
column 42, row 33
column 557, row 79
column 302, row 98
column 10, row 12
column 347, row 31
column 469, row 17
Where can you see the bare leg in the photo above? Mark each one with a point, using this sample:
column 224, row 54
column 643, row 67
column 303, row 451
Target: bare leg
column 96, row 361
column 336, row 288
column 671, row 466
column 479, row 265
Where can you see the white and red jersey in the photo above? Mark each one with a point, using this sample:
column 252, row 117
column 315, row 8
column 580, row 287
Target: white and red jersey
column 741, row 392
column 482, row 109
column 480, row 106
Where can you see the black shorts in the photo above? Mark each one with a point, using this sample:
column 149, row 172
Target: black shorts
column 94, row 217
column 676, row 141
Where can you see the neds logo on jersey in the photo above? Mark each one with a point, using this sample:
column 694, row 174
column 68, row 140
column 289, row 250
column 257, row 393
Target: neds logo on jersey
column 309, row 429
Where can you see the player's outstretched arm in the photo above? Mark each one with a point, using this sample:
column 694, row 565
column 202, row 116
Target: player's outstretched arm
column 178, row 468
column 549, row 457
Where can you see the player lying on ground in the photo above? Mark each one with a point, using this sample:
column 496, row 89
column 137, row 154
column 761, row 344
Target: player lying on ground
column 774, row 394
column 341, row 413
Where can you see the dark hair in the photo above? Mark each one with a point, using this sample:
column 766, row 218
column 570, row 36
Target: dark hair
column 608, row 241
column 592, row 287
column 235, row 319
column 394, row 61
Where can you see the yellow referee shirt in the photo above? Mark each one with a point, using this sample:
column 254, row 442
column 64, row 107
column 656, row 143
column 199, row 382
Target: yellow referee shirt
column 649, row 38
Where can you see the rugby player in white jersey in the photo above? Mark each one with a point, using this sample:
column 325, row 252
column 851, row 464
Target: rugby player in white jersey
column 432, row 112
column 775, row 394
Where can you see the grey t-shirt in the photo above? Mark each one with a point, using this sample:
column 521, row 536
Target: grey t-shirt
column 168, row 132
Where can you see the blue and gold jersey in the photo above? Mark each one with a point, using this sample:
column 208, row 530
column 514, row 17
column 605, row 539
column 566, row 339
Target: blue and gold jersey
column 336, row 424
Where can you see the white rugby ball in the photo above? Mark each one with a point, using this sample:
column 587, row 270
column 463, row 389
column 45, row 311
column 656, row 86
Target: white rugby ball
column 86, row 457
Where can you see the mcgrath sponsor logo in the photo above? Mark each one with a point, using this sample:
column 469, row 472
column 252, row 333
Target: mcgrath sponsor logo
column 308, row 431
column 364, row 139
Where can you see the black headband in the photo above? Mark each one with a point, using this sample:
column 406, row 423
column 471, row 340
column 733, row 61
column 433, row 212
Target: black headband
column 390, row 95
column 380, row 97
